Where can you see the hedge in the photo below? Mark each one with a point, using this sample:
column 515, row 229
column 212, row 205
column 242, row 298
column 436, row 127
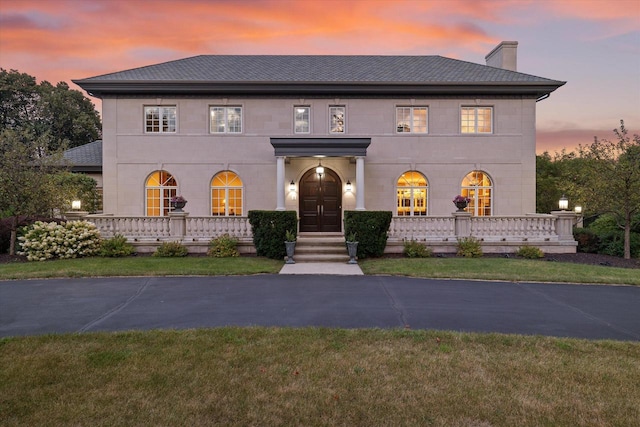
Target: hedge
column 370, row 228
column 269, row 230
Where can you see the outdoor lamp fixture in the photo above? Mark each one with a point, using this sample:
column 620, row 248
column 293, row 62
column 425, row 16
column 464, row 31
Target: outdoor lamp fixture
column 563, row 203
column 292, row 186
column 578, row 209
column 76, row 205
column 320, row 169
column 349, row 186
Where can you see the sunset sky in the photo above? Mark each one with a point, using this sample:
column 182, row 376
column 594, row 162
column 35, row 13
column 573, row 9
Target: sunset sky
column 594, row 45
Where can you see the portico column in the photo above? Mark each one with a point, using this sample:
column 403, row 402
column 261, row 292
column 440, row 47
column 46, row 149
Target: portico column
column 280, row 183
column 360, row 184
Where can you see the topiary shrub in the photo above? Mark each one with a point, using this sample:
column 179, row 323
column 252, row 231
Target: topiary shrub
column 413, row 249
column 469, row 247
column 72, row 239
column 529, row 252
column 371, row 227
column 171, row 249
column 117, row 246
column 269, row 230
column 223, row 247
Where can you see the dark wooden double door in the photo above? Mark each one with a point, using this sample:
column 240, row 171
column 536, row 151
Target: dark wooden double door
column 320, row 202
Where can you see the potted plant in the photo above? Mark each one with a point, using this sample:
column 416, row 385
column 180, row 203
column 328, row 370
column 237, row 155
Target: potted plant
column 177, row 203
column 461, row 202
column 352, row 248
column 290, row 244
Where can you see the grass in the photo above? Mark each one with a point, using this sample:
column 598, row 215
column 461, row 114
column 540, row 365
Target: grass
column 316, row 377
column 517, row 270
column 139, row 266
column 455, row 268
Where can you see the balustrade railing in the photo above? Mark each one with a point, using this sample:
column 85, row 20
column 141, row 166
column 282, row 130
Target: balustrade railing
column 506, row 228
column 422, row 228
column 211, row 227
column 132, row 227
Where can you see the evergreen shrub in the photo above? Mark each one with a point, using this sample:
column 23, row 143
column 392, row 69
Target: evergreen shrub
column 223, row 247
column 413, row 249
column 469, row 247
column 529, row 252
column 371, row 227
column 171, row 249
column 269, row 230
column 117, row 246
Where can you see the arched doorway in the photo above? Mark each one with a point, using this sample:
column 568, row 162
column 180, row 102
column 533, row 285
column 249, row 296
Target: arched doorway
column 320, row 201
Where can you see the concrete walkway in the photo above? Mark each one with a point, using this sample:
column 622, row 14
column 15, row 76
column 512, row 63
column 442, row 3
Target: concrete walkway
column 337, row 268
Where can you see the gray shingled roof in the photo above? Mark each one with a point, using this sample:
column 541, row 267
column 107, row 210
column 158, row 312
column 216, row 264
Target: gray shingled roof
column 319, row 69
column 240, row 72
column 86, row 157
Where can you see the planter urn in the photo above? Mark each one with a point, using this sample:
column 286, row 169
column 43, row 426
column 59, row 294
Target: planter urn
column 291, row 247
column 352, row 248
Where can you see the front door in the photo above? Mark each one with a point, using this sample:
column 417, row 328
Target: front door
column 320, row 201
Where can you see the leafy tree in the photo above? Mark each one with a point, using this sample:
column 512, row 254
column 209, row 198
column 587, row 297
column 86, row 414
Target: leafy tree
column 27, row 186
column 77, row 186
column 55, row 115
column 612, row 174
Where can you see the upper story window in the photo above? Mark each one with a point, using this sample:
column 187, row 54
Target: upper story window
column 226, row 119
column 411, row 194
column 302, row 119
column 476, row 120
column 160, row 119
column 337, row 119
column 411, row 119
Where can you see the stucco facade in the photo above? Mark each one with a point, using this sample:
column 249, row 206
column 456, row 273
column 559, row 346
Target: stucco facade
column 193, row 155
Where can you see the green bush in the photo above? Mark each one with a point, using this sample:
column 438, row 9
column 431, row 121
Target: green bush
column 171, row 249
column 269, row 230
column 469, row 247
column 612, row 243
column 587, row 239
column 530, row 252
column 371, row 229
column 116, row 246
column 413, row 249
column 223, row 247
column 72, row 239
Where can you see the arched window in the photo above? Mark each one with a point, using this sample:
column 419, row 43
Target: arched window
column 226, row 194
column 412, row 194
column 478, row 187
column 160, row 187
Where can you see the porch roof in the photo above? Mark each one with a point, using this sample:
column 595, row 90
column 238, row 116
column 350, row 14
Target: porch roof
column 328, row 147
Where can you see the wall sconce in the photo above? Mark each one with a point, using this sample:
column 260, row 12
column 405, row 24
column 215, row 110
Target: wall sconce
column 349, row 186
column 320, row 169
column 76, row 205
column 563, row 203
column 292, row 186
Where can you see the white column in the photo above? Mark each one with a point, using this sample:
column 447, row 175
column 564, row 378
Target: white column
column 360, row 184
column 280, row 183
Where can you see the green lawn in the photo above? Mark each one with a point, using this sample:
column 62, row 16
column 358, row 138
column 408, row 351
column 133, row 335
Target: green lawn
column 316, row 377
column 456, row 268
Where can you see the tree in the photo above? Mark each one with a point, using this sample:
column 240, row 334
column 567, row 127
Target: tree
column 27, row 186
column 55, row 115
column 613, row 176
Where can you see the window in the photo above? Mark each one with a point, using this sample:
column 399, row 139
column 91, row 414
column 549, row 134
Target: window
column 337, row 116
column 160, row 119
column 412, row 194
column 411, row 119
column 226, row 119
column 160, row 187
column 477, row 186
column 226, row 194
column 476, row 120
column 302, row 119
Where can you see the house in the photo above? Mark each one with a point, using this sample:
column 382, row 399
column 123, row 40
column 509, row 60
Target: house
column 320, row 135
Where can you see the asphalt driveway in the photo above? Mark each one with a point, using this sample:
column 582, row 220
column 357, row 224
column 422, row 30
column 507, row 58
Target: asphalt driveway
column 30, row 307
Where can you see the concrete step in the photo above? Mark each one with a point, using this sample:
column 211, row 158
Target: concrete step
column 321, row 257
column 321, row 247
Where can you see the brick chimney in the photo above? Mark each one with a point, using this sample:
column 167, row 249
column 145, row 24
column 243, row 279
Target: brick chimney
column 505, row 55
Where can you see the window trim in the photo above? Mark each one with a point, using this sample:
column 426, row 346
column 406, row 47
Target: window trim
column 475, row 119
column 344, row 119
column 411, row 120
column 161, row 115
column 226, row 109
column 295, row 127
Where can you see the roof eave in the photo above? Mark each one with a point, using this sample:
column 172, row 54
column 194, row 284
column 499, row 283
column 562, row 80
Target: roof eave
column 98, row 89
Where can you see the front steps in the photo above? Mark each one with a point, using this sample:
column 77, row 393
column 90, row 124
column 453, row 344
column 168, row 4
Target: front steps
column 321, row 247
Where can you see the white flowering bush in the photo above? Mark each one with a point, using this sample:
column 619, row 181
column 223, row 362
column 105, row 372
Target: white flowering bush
column 72, row 239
